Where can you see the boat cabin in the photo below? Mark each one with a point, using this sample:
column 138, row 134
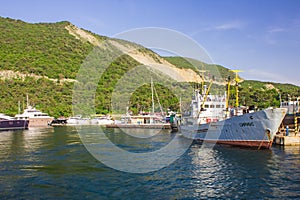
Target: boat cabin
column 291, row 106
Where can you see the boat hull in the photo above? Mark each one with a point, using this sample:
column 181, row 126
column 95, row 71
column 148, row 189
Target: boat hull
column 251, row 144
column 256, row 129
column 143, row 126
column 40, row 122
column 17, row 124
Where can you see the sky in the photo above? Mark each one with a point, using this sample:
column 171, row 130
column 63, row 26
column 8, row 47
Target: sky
column 259, row 37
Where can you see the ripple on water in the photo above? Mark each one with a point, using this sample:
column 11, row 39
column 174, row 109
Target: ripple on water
column 54, row 164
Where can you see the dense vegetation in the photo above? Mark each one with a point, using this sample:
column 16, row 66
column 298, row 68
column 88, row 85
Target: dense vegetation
column 43, row 49
column 266, row 94
column 53, row 98
column 47, row 49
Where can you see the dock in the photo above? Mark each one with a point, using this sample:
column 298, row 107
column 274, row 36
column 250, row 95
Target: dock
column 287, row 140
column 144, row 126
column 289, row 132
column 288, row 137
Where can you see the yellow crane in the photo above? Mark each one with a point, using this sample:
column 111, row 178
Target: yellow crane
column 237, row 80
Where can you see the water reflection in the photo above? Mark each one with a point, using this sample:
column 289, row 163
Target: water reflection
column 51, row 163
column 129, row 154
column 223, row 171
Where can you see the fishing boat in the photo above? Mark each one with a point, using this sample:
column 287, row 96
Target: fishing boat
column 147, row 120
column 211, row 120
column 11, row 123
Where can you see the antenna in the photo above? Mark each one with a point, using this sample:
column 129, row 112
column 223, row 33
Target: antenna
column 152, row 97
column 201, row 75
column 227, row 95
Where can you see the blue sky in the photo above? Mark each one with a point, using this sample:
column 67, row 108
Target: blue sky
column 260, row 37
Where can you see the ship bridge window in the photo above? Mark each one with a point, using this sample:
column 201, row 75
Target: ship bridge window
column 212, row 106
column 218, row 106
column 206, row 106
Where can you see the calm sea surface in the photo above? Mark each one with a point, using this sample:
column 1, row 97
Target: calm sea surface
column 52, row 163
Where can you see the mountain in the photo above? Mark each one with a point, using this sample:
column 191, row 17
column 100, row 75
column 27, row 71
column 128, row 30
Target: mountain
column 43, row 61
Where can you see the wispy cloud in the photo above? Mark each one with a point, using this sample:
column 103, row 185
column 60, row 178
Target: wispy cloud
column 229, row 25
column 276, row 30
column 273, row 34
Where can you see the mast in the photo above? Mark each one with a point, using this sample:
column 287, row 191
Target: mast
column 19, row 107
column 202, row 83
column 161, row 109
column 205, row 97
column 206, row 94
column 152, row 99
column 180, row 110
column 227, row 97
column 152, row 95
column 27, row 101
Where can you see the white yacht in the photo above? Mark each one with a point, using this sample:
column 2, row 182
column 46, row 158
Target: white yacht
column 74, row 120
column 36, row 117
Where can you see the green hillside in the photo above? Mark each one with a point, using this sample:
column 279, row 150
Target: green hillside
column 257, row 93
column 39, row 57
column 43, row 49
column 265, row 94
column 49, row 51
column 221, row 72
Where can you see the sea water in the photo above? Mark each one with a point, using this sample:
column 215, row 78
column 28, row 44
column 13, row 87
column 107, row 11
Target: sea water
column 54, row 163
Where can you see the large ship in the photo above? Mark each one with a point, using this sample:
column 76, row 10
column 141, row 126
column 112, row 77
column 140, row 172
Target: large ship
column 11, row 123
column 211, row 120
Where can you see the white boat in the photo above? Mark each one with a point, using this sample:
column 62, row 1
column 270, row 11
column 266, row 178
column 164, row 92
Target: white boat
column 79, row 120
column 74, row 120
column 104, row 120
column 36, row 117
